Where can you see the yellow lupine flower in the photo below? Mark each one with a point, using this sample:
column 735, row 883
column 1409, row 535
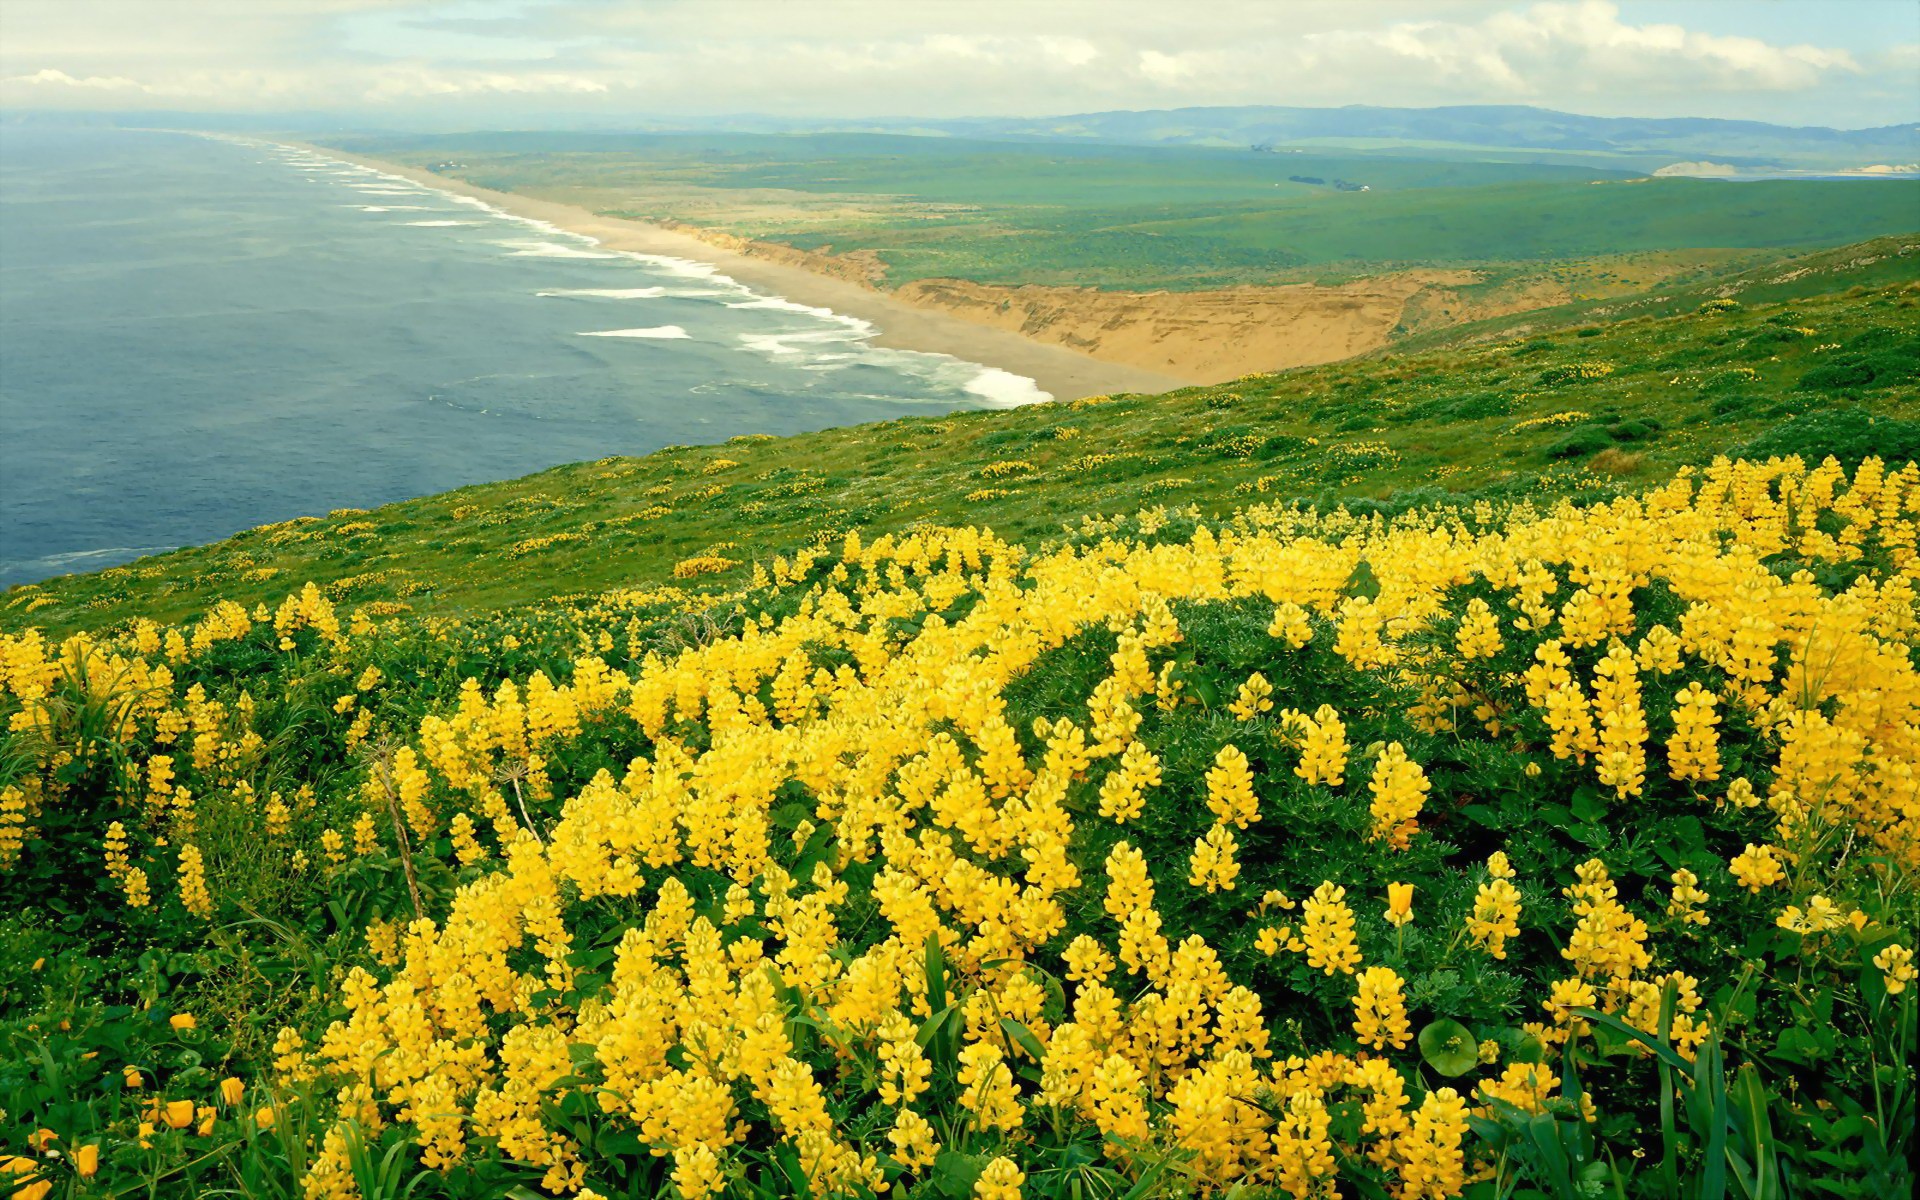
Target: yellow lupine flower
column 1000, row 1180
column 1213, row 865
column 1399, row 790
column 1254, row 697
column 1380, row 1012
column 1757, row 867
column 1896, row 965
column 1230, row 789
column 1326, row 931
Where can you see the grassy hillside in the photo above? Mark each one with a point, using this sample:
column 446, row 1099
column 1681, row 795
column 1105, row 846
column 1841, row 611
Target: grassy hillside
column 1160, row 217
column 1581, row 411
column 1524, row 851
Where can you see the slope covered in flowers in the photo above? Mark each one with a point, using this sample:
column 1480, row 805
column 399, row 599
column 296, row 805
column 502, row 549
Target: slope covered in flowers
column 1293, row 852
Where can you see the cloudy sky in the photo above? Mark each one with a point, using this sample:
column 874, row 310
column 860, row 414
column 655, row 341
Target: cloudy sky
column 1846, row 63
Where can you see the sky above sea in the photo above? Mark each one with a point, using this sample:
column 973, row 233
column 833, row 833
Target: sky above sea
column 202, row 335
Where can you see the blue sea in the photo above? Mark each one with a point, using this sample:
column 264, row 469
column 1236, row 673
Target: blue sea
column 203, row 334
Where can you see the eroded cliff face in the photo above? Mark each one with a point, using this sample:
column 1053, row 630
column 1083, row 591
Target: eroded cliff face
column 1206, row 336
column 864, row 267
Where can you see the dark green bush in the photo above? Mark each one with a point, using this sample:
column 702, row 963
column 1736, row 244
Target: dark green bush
column 1585, row 440
column 1847, row 434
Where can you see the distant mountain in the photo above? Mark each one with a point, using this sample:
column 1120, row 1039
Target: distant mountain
column 1701, row 145
column 1707, row 146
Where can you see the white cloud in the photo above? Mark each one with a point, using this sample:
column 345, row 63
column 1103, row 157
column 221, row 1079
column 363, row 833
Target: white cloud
column 56, row 78
column 933, row 57
column 418, row 82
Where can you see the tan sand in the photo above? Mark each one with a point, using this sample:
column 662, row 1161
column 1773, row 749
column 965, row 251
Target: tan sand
column 1210, row 336
column 1066, row 373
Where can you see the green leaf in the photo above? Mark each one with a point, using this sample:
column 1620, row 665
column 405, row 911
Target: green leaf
column 936, row 973
column 1361, row 582
column 1449, row 1048
column 1023, row 1038
column 1588, row 804
column 1661, row 1050
column 954, row 1173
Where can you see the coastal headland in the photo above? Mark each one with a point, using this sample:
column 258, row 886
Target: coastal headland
column 1065, row 372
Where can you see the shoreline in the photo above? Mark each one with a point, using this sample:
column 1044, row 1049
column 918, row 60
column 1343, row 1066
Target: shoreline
column 1063, row 373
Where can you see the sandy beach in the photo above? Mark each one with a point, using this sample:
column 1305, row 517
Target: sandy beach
column 1064, row 373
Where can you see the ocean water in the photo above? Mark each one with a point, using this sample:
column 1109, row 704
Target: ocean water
column 199, row 335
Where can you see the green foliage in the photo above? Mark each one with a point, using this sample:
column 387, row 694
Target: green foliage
column 1849, row 434
column 1588, row 439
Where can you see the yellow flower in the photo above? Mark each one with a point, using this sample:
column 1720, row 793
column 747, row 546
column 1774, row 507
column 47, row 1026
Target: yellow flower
column 1399, row 904
column 1380, row 1013
column 1479, row 632
column 39, row 1188
column 182, row 1021
column 86, row 1160
column 231, row 1089
column 1323, row 752
column 1896, row 964
column 1254, row 697
column 1326, row 931
column 1230, row 789
column 1757, row 867
column 1399, row 790
column 988, row 1090
column 1212, row 864
column 1687, row 899
column 193, row 885
column 1495, row 916
column 1000, row 1180
column 178, row 1113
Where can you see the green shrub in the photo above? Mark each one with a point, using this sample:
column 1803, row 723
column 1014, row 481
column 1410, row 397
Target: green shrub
column 1585, row 440
column 1636, row 430
column 1847, row 434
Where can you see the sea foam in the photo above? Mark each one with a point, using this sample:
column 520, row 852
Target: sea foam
column 656, row 331
column 639, row 293
column 528, row 249
column 1003, row 389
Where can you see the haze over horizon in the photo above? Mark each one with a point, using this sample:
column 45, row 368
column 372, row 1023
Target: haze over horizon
column 441, row 63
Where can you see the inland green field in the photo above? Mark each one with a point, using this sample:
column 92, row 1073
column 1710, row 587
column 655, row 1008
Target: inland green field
column 1489, row 768
column 1173, row 217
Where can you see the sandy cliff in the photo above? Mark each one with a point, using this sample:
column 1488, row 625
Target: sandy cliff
column 1204, row 336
